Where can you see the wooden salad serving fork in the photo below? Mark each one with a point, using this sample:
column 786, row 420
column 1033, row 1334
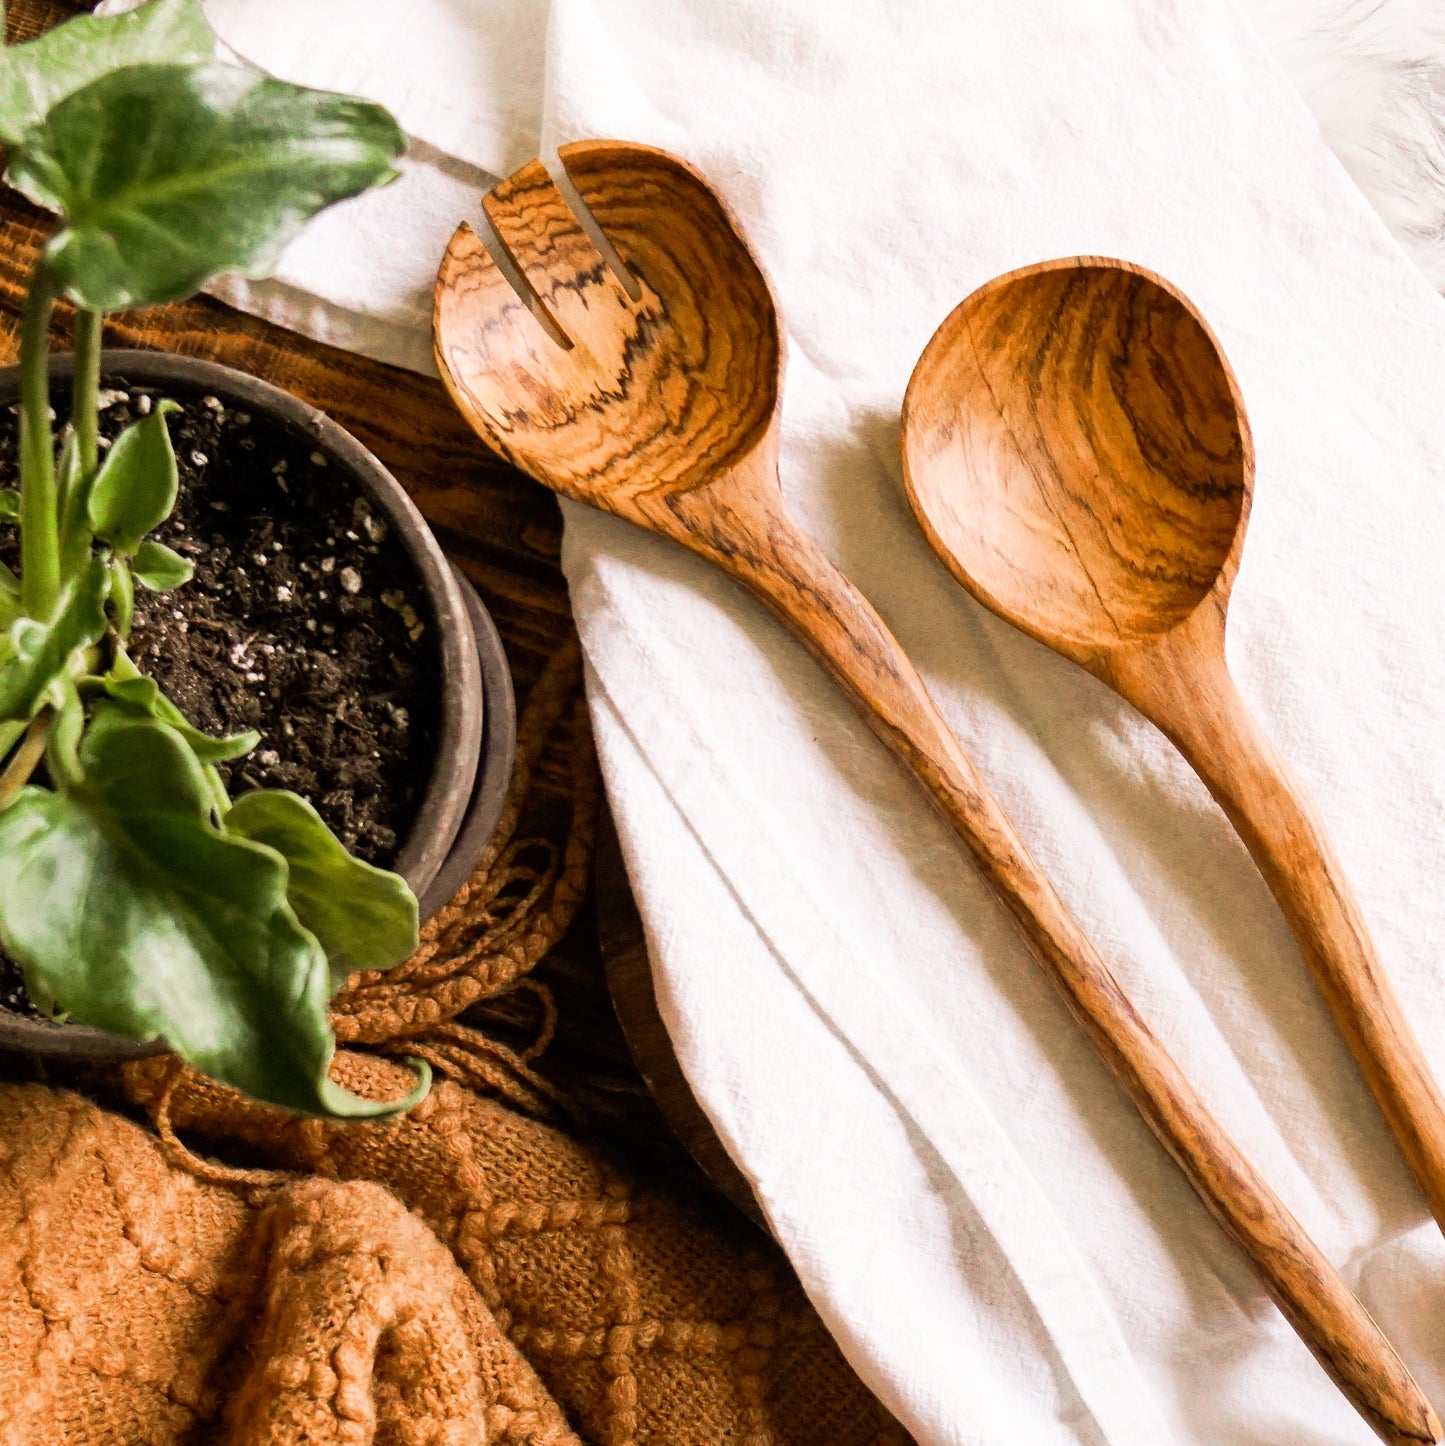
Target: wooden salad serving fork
column 653, row 392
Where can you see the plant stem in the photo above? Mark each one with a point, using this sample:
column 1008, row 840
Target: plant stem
column 39, row 523
column 85, row 400
column 74, row 482
column 26, row 757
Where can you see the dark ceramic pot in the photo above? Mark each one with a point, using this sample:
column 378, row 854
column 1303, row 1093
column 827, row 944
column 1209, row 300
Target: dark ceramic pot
column 477, row 737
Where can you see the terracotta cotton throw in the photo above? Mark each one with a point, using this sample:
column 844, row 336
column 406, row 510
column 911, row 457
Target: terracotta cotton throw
column 142, row 1304
column 465, row 1275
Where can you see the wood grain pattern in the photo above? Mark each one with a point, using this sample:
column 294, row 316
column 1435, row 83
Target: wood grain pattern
column 1074, row 445
column 648, row 389
column 1076, row 448
column 663, row 410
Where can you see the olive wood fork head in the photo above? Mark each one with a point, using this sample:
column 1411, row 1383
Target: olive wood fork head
column 615, row 393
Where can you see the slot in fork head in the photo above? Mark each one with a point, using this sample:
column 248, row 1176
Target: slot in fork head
column 652, row 394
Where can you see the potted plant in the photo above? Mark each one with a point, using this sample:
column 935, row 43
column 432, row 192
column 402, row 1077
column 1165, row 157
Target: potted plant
column 139, row 894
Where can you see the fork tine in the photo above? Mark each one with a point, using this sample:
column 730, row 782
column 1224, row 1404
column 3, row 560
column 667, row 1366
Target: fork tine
column 492, row 351
column 472, row 300
column 552, row 250
column 468, row 275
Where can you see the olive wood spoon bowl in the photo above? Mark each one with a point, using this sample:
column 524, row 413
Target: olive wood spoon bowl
column 655, row 396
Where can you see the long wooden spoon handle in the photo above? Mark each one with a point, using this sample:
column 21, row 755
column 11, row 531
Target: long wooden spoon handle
column 1186, row 689
column 743, row 528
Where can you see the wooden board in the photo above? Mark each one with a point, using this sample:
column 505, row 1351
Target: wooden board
column 629, row 977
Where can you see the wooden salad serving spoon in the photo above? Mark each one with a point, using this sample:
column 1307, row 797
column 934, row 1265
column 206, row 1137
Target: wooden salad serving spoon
column 650, row 388
column 1075, row 446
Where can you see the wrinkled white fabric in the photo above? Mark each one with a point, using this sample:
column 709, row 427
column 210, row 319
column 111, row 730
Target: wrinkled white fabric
column 999, row 1244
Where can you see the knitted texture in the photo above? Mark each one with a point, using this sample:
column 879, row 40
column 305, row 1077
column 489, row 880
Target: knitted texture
column 139, row 1304
column 645, row 1324
column 465, row 1274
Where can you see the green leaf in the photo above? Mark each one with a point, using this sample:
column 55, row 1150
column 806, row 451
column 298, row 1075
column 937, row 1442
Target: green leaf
column 124, row 903
column 71, row 488
column 141, row 697
column 365, row 917
column 10, row 607
column 9, row 505
column 168, row 175
column 157, row 567
column 67, row 465
column 39, row 651
column 122, row 596
column 62, row 749
column 135, row 488
column 38, row 74
column 11, row 732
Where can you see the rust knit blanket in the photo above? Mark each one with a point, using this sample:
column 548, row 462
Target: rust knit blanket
column 529, row 1295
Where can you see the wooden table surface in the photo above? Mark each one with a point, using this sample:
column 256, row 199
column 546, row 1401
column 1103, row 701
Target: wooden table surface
column 503, row 529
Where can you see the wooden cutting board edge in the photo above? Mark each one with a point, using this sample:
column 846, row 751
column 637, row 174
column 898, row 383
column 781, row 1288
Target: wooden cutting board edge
column 629, row 981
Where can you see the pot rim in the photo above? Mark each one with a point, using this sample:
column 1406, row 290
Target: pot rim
column 499, row 756
column 444, row 802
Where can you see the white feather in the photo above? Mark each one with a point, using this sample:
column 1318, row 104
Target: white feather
column 1373, row 73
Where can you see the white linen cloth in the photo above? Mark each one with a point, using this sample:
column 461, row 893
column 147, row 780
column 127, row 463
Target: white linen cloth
column 1002, row 1249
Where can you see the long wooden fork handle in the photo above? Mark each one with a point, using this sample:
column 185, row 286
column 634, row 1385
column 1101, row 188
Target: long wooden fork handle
column 742, row 527
column 1184, row 686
